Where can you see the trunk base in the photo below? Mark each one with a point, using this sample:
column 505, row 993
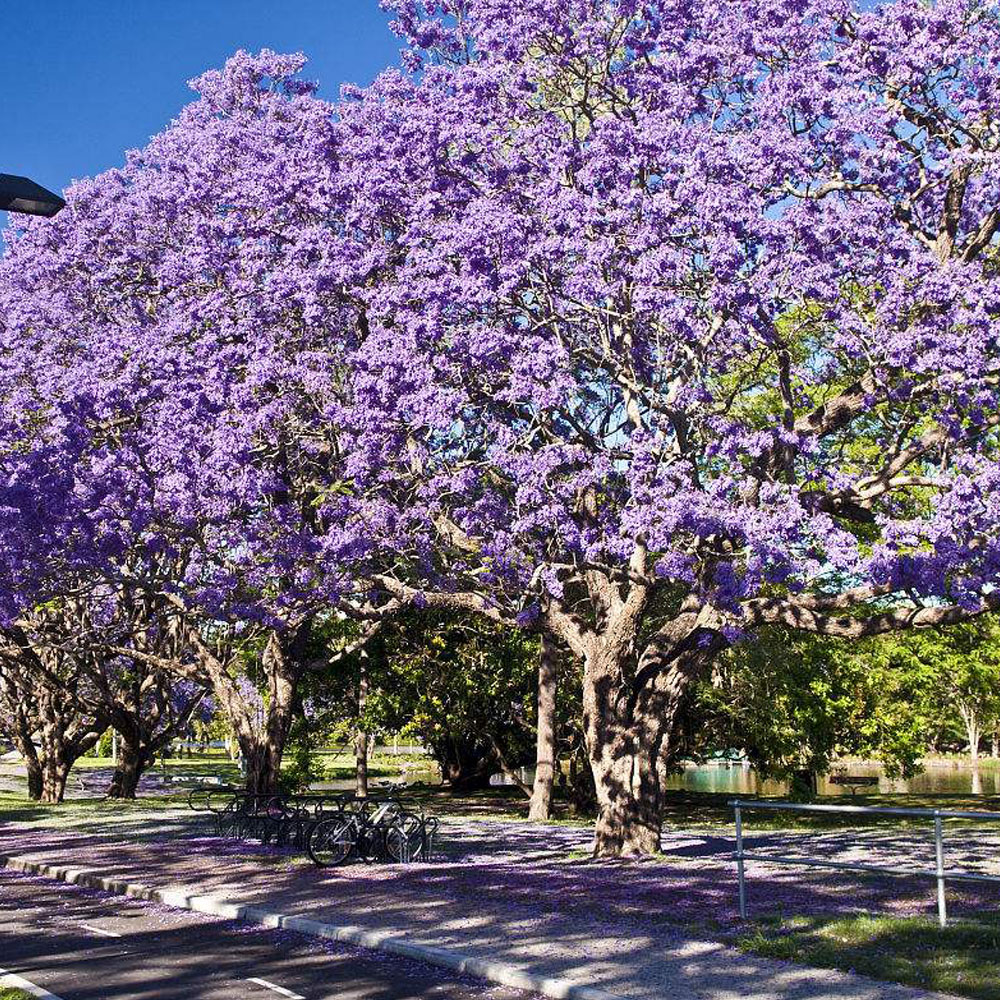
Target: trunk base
column 627, row 833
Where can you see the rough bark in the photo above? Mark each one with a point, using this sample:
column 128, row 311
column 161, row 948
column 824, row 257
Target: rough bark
column 55, row 773
column 134, row 756
column 633, row 722
column 125, row 780
column 34, row 770
column 283, row 661
column 262, row 760
column 22, row 736
column 67, row 732
column 540, row 806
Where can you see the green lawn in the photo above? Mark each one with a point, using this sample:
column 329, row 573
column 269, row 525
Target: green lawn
column 148, row 818
column 9, row 993
column 336, row 764
column 962, row 959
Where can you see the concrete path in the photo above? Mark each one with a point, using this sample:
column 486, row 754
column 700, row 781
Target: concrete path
column 636, row 930
column 85, row 945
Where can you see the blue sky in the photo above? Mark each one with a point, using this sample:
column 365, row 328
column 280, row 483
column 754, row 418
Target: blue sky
column 84, row 80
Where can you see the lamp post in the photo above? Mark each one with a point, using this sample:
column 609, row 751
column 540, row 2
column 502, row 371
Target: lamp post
column 18, row 194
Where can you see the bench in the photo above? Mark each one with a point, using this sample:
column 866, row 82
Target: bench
column 855, row 781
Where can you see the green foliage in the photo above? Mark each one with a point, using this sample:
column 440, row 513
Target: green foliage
column 952, row 675
column 301, row 765
column 105, row 745
column 464, row 688
column 793, row 701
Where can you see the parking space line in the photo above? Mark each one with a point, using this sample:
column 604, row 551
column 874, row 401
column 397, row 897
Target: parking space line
column 15, row 982
column 98, row 930
column 277, row 989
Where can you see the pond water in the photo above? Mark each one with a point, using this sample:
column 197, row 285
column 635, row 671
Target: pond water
column 940, row 777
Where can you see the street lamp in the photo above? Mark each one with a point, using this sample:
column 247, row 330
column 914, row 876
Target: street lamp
column 18, row 194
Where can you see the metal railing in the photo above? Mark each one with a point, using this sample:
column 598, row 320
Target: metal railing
column 939, row 874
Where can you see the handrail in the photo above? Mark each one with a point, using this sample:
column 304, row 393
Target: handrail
column 939, row 874
column 888, row 810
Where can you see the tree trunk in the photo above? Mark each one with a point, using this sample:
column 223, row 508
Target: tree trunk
column 633, row 727
column 55, row 772
column 22, row 737
column 133, row 759
column 263, row 766
column 361, row 736
column 125, row 780
column 629, row 820
column 263, row 755
column 973, row 730
column 540, row 807
column 34, row 777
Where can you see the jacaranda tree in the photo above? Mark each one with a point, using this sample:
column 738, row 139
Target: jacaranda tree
column 168, row 351
column 647, row 324
column 680, row 320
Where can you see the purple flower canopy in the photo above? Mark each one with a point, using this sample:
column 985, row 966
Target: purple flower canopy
column 700, row 294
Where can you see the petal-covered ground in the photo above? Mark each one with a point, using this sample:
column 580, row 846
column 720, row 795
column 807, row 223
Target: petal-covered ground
column 529, row 895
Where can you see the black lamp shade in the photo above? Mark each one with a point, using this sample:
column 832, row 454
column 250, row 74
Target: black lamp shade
column 18, row 194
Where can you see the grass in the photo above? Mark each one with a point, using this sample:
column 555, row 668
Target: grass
column 962, row 959
column 11, row 993
column 338, row 765
column 142, row 819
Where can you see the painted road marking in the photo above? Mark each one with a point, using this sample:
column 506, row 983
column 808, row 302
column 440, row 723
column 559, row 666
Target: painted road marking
column 98, row 930
column 277, row 989
column 10, row 981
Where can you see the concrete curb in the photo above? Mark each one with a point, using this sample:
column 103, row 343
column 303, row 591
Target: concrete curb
column 10, row 980
column 385, row 940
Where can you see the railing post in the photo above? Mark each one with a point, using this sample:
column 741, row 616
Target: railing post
column 939, row 865
column 739, row 863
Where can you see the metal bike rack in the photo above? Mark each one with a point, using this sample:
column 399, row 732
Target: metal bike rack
column 938, row 873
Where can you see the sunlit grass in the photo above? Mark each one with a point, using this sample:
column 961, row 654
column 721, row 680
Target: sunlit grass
column 962, row 959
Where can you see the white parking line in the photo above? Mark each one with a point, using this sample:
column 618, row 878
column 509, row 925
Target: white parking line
column 9, row 981
column 277, row 989
column 98, row 930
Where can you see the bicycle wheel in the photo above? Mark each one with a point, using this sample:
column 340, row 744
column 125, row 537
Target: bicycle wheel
column 217, row 800
column 404, row 840
column 227, row 819
column 331, row 842
column 198, row 799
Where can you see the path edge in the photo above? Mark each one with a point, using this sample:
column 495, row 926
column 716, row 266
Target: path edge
column 385, row 940
column 11, row 980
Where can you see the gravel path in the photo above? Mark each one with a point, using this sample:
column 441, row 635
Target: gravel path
column 640, row 930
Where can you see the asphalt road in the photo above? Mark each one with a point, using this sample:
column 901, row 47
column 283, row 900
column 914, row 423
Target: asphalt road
column 85, row 945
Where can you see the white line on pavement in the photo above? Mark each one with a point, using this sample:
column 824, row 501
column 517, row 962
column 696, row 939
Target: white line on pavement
column 98, row 930
column 277, row 989
column 10, row 981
